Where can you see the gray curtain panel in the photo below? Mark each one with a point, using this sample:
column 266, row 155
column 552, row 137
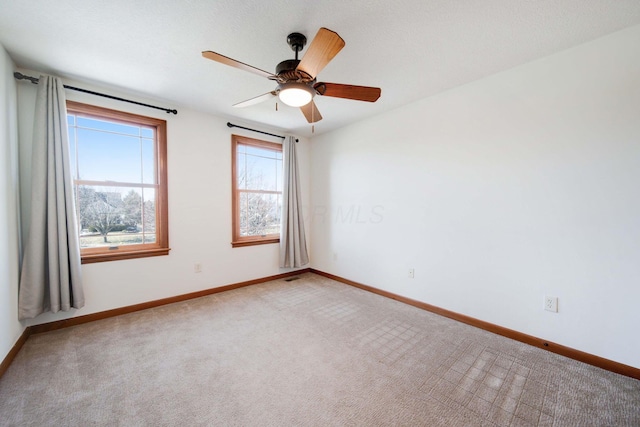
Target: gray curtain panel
column 293, row 243
column 51, row 279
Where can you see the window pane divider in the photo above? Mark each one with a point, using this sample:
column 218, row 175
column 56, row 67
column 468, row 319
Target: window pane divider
column 114, row 184
column 111, row 132
column 259, row 191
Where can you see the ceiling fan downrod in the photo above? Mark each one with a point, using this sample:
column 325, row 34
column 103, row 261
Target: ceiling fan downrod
column 297, row 42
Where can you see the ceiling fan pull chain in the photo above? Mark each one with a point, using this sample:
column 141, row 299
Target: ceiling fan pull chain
column 276, row 106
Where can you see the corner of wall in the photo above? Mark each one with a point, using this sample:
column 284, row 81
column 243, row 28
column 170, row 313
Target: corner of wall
column 10, row 328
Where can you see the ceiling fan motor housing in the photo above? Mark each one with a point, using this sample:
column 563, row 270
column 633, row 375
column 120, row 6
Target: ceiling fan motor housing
column 287, row 65
column 286, row 72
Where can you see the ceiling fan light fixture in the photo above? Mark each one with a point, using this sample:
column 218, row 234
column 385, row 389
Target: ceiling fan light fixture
column 295, row 94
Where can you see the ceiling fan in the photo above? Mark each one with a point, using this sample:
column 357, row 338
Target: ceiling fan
column 296, row 78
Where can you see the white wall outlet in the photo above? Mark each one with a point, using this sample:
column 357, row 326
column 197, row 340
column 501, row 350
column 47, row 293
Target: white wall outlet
column 551, row 303
column 412, row 273
column 197, row 267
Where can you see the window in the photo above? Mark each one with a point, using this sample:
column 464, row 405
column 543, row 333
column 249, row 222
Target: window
column 257, row 191
column 119, row 172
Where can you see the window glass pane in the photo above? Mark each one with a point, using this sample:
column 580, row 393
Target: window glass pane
column 109, row 216
column 279, row 176
column 72, row 152
column 108, row 157
column 261, row 173
column 71, row 119
column 278, row 212
column 108, row 126
column 243, row 208
column 148, row 161
column 263, row 152
column 147, row 133
column 149, row 215
column 132, row 209
column 259, row 214
column 241, row 171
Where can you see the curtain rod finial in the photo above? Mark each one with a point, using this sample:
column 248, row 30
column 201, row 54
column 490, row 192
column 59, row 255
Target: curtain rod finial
column 21, row 76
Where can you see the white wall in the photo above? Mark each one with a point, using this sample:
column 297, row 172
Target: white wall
column 521, row 184
column 199, row 174
column 10, row 328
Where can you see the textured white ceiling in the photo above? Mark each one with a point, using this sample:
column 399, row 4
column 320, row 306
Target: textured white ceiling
column 410, row 48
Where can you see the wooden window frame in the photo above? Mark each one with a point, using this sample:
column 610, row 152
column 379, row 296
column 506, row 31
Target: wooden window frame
column 161, row 245
column 237, row 240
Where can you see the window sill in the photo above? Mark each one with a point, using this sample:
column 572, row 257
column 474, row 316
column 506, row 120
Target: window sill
column 121, row 255
column 241, row 243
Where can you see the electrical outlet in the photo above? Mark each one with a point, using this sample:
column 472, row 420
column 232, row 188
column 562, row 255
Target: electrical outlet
column 197, row 267
column 551, row 303
column 411, row 273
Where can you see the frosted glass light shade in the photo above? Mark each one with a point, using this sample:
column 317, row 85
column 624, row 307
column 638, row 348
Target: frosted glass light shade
column 295, row 94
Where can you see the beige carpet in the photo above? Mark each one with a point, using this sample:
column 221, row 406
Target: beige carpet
column 310, row 352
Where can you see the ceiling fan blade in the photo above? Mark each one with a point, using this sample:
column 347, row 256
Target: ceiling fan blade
column 359, row 93
column 256, row 100
column 311, row 112
column 325, row 45
column 236, row 64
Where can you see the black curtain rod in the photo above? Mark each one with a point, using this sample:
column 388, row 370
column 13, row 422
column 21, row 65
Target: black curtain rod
column 35, row 80
column 231, row 125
